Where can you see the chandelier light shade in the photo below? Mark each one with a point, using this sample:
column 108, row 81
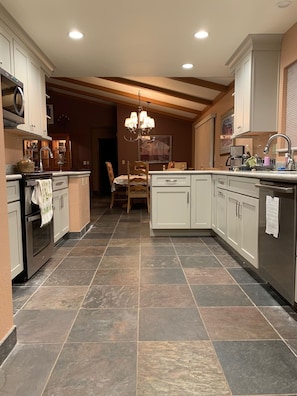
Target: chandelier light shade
column 139, row 124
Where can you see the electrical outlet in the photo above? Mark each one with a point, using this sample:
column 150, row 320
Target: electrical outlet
column 123, row 162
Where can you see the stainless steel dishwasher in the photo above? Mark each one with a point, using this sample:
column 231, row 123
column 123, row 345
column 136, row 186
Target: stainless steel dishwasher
column 277, row 254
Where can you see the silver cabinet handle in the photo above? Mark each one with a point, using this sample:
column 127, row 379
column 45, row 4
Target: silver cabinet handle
column 286, row 190
column 188, row 198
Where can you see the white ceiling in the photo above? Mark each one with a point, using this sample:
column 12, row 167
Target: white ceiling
column 146, row 42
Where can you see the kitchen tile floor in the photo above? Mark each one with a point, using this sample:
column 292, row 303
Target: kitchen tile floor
column 120, row 313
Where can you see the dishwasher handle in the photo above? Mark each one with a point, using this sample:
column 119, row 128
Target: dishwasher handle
column 285, row 190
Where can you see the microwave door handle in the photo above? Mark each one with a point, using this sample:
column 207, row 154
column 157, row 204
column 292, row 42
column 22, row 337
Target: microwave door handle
column 18, row 91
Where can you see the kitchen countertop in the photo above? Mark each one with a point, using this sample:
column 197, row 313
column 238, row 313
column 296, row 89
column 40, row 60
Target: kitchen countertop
column 18, row 176
column 282, row 176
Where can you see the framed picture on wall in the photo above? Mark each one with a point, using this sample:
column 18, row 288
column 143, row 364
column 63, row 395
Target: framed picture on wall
column 155, row 148
column 226, row 132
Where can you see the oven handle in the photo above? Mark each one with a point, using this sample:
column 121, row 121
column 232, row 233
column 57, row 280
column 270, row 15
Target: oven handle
column 286, row 190
column 30, row 219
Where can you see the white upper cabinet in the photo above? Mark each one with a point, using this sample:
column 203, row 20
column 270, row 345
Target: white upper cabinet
column 255, row 65
column 20, row 56
column 5, row 51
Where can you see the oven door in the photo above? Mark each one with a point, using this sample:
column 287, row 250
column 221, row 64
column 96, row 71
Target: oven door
column 39, row 242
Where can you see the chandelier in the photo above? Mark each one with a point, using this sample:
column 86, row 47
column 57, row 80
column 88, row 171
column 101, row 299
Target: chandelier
column 139, row 124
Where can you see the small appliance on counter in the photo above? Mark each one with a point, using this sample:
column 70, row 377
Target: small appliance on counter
column 236, row 157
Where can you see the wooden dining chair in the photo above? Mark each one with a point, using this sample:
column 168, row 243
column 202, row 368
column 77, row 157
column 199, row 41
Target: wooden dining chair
column 138, row 183
column 118, row 193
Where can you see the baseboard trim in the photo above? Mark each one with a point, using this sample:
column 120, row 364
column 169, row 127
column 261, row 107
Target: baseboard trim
column 8, row 344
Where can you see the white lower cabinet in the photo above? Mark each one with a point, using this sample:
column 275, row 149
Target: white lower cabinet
column 242, row 225
column 61, row 207
column 201, row 201
column 221, row 213
column 15, row 228
column 170, row 207
column 180, row 201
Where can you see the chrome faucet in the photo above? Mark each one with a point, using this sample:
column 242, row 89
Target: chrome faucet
column 290, row 165
column 40, row 158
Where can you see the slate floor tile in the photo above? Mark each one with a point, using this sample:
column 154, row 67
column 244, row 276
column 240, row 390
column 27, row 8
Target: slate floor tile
column 263, row 295
column 161, row 324
column 173, row 296
column 27, row 368
column 236, row 323
column 114, row 296
column 258, row 367
column 199, row 261
column 179, row 368
column 116, row 276
column 160, row 262
column 44, row 326
column 66, row 277
column 97, row 325
column 49, row 297
column 208, row 276
column 94, row 369
column 155, row 276
column 219, row 295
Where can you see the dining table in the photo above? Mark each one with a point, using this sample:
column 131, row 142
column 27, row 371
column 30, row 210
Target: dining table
column 122, row 180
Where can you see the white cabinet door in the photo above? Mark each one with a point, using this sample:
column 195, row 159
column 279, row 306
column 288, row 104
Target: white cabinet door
column 29, row 72
column 221, row 212
column 214, row 183
column 170, row 207
column 201, row 201
column 256, row 67
column 5, row 51
column 61, row 213
column 64, row 210
column 15, row 238
column 242, row 226
column 21, row 72
column 233, row 223
column 242, row 96
column 35, row 97
column 249, row 212
column 57, row 216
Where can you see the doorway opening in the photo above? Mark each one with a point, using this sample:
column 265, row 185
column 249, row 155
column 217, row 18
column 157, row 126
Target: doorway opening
column 108, row 151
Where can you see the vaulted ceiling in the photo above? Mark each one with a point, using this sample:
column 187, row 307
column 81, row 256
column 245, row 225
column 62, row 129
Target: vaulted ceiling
column 137, row 46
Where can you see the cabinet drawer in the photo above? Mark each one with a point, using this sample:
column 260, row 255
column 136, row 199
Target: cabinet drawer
column 13, row 190
column 243, row 185
column 170, row 180
column 60, row 182
column 221, row 181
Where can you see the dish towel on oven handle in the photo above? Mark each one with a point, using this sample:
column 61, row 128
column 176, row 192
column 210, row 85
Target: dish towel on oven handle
column 43, row 197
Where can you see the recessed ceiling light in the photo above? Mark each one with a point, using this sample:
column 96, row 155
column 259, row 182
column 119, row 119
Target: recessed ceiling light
column 283, row 3
column 187, row 66
column 201, row 34
column 75, row 34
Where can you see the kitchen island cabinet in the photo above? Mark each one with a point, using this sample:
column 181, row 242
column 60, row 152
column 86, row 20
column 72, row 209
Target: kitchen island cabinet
column 180, row 201
column 170, row 201
column 79, row 202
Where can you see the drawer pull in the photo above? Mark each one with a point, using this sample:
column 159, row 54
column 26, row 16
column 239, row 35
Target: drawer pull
column 171, row 180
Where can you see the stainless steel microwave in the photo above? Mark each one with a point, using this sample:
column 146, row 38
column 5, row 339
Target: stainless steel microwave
column 12, row 100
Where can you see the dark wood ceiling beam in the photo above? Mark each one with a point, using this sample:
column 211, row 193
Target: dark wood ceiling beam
column 165, row 91
column 202, row 83
column 125, row 94
column 80, row 93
